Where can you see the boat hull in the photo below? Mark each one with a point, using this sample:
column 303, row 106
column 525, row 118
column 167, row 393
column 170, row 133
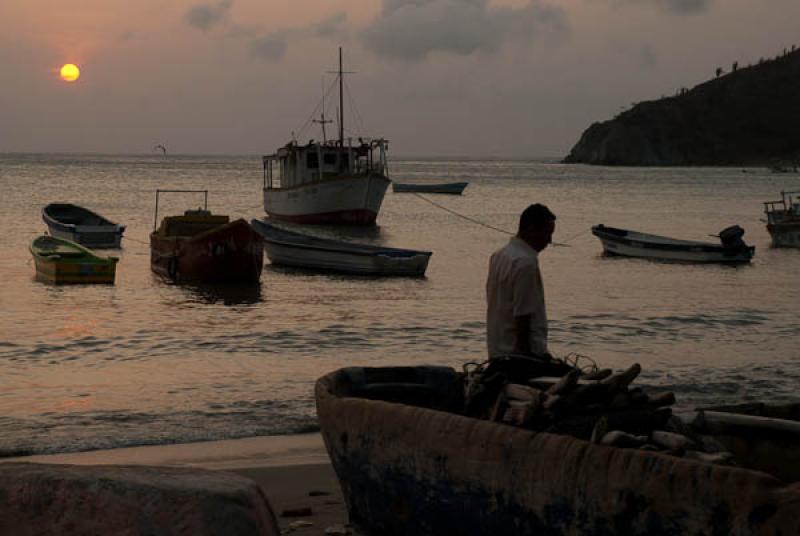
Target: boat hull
column 342, row 262
column 644, row 246
column 63, row 262
column 785, row 235
column 454, row 188
column 409, row 470
column 60, row 273
column 82, row 226
column 347, row 200
column 230, row 253
column 286, row 248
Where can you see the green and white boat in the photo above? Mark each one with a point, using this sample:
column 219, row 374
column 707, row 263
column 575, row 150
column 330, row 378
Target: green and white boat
column 61, row 261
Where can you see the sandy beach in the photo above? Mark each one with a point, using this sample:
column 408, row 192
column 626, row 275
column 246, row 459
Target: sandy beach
column 293, row 470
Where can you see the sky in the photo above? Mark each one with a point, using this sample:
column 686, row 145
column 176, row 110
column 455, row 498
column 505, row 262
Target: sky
column 477, row 78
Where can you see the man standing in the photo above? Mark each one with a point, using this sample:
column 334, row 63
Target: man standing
column 516, row 321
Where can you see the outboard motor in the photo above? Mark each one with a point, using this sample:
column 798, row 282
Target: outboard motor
column 731, row 237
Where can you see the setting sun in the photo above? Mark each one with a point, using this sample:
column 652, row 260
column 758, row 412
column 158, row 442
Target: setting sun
column 70, row 72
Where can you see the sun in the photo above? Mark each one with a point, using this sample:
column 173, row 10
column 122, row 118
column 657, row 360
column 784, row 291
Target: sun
column 70, row 72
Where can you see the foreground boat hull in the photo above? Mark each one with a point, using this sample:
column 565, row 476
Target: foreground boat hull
column 409, row 470
column 348, row 200
column 231, row 253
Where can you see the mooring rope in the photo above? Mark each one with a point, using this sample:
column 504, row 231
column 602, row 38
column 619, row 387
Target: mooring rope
column 136, row 240
column 477, row 222
column 473, row 220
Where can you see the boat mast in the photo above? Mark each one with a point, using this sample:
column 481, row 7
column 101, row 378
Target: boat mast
column 322, row 121
column 341, row 101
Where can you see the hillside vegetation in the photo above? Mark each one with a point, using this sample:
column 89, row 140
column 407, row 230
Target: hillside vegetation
column 750, row 116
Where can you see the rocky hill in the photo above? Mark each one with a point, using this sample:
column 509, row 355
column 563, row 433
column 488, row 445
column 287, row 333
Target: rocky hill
column 750, row 116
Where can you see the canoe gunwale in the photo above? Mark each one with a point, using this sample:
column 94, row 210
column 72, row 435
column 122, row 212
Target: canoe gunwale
column 411, row 470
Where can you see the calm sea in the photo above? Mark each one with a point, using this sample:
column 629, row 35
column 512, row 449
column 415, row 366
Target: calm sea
column 148, row 362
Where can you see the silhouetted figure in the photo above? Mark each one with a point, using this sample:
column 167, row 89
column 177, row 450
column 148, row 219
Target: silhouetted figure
column 516, row 319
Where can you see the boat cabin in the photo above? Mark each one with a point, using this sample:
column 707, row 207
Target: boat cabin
column 295, row 165
column 191, row 223
column 785, row 210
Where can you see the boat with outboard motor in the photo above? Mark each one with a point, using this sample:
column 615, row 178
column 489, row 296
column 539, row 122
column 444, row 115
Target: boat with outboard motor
column 329, row 182
column 202, row 247
column 732, row 248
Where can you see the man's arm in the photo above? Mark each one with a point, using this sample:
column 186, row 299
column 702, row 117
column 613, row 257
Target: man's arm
column 522, row 330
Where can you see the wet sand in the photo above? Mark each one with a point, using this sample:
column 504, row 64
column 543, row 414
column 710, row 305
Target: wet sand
column 294, row 472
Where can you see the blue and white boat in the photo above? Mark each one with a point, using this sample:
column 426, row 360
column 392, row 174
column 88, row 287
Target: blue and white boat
column 81, row 225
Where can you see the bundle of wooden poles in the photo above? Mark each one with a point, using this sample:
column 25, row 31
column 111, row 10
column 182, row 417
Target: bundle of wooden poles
column 601, row 407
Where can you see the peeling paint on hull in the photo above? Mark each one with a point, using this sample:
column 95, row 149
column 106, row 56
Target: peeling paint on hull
column 409, row 470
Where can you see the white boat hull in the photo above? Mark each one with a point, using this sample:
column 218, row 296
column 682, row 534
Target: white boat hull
column 289, row 248
column 613, row 248
column 645, row 246
column 280, row 254
column 347, row 200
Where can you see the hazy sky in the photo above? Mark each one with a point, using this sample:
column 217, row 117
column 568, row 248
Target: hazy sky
column 436, row 77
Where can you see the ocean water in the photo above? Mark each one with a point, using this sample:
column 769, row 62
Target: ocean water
column 149, row 362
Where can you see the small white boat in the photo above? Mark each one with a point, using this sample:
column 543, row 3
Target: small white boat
column 731, row 249
column 81, row 225
column 783, row 220
column 300, row 250
column 454, row 188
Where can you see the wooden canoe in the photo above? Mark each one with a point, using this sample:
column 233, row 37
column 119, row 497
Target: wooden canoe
column 410, row 464
column 61, row 261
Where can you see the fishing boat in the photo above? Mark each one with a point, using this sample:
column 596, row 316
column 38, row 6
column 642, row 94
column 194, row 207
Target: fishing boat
column 411, row 463
column 60, row 261
column 81, row 225
column 783, row 220
column 732, row 249
column 201, row 247
column 288, row 248
column 338, row 181
column 454, row 188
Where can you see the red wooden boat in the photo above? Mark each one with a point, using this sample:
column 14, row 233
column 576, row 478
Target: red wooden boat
column 201, row 247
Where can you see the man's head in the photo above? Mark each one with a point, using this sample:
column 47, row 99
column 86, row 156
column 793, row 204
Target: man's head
column 536, row 226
